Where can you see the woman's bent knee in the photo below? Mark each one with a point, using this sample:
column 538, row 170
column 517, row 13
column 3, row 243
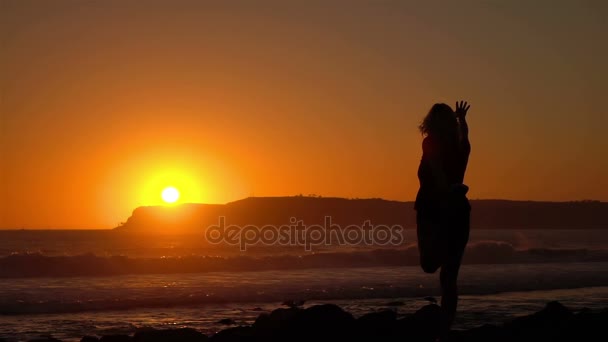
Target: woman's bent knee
column 429, row 267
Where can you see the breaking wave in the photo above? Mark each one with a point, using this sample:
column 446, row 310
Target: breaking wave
column 480, row 252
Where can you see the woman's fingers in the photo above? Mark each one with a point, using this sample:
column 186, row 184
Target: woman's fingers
column 462, row 107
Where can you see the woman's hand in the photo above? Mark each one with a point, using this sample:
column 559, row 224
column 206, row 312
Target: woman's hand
column 461, row 109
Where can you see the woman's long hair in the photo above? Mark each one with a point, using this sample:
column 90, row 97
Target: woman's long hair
column 441, row 124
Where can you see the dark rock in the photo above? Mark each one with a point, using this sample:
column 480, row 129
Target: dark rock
column 319, row 321
column 323, row 321
column 174, row 335
column 89, row 339
column 263, row 321
column 115, row 338
column 486, row 332
column 553, row 313
column 283, row 314
column 241, row 333
column 424, row 325
column 45, row 339
column 586, row 325
column 377, row 324
column 257, row 309
column 323, row 315
column 226, row 321
column 545, row 325
column 270, row 324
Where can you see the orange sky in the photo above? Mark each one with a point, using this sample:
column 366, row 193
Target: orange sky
column 103, row 103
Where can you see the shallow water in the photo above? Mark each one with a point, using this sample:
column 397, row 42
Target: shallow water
column 474, row 310
column 70, row 307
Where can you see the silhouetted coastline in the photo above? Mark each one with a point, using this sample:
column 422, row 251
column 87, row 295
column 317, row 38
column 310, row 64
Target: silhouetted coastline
column 486, row 214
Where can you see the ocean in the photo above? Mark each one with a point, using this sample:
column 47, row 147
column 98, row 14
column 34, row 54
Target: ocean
column 74, row 283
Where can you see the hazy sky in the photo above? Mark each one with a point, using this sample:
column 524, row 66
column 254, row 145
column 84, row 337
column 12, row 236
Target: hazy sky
column 104, row 103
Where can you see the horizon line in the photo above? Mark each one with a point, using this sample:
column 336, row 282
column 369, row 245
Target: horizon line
column 293, row 196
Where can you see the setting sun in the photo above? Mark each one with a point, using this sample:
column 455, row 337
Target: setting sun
column 170, row 194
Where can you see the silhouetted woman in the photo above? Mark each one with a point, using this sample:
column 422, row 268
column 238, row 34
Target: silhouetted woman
column 442, row 207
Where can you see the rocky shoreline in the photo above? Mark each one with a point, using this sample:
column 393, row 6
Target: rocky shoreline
column 329, row 322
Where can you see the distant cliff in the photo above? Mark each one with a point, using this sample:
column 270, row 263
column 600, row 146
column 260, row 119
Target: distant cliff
column 486, row 214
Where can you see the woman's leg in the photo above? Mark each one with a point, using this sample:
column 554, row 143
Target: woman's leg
column 427, row 233
column 458, row 235
column 448, row 279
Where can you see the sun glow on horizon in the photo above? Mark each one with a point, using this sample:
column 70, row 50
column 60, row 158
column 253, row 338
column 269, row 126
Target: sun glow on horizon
column 141, row 176
column 170, row 195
